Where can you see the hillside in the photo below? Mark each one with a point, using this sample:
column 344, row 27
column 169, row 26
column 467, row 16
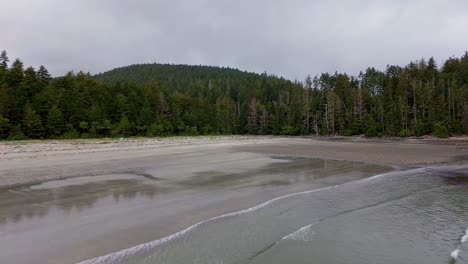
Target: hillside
column 169, row 73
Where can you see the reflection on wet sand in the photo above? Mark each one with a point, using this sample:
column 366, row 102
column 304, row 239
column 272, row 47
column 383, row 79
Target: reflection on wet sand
column 296, row 170
column 30, row 202
column 22, row 203
column 86, row 217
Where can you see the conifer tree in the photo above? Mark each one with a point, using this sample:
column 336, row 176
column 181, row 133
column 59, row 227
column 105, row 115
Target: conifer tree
column 125, row 126
column 4, row 127
column 55, row 122
column 4, row 60
column 31, row 123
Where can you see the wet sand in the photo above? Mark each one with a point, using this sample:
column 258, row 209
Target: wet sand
column 38, row 161
column 123, row 193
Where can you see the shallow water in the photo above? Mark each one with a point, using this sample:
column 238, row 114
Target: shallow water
column 415, row 216
column 75, row 219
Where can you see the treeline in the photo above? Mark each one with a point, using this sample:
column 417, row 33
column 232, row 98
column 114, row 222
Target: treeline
column 160, row 100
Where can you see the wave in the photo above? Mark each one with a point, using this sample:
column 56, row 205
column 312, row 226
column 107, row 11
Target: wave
column 117, row 256
column 302, row 234
column 465, row 237
column 456, row 253
column 123, row 255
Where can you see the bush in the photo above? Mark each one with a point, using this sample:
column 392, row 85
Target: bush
column 455, row 127
column 405, row 133
column 70, row 134
column 440, row 131
column 155, row 130
column 206, row 130
column 4, row 127
column 347, row 132
column 87, row 135
column 17, row 134
column 372, row 132
column 421, row 128
column 372, row 127
column 289, row 131
column 193, row 131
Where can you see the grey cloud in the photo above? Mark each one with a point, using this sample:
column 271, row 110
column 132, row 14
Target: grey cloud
column 289, row 38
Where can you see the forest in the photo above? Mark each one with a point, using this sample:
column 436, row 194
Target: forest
column 152, row 100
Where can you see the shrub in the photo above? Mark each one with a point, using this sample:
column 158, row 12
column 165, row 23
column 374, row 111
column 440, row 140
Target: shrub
column 455, row 127
column 372, row 132
column 440, row 131
column 206, row 130
column 4, row 127
column 405, row 133
column 193, row 131
column 289, row 131
column 155, row 130
column 16, row 133
column 371, row 126
column 421, row 128
column 87, row 135
column 347, row 132
column 71, row 133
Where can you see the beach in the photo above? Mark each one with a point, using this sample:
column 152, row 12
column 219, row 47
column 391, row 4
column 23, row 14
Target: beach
column 89, row 198
column 38, row 161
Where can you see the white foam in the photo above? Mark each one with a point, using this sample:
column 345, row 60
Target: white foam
column 455, row 253
column 121, row 255
column 118, row 255
column 302, row 234
column 465, row 237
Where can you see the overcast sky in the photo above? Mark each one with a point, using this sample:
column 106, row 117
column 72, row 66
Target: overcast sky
column 290, row 38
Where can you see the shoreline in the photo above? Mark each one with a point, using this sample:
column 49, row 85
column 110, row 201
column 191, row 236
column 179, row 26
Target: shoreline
column 33, row 162
column 122, row 254
column 192, row 180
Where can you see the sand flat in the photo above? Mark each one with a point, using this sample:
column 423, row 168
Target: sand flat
column 162, row 186
column 32, row 162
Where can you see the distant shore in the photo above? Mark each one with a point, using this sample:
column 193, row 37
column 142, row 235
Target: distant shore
column 26, row 162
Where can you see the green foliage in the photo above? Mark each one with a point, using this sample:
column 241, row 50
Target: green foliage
column 207, row 130
column 155, row 130
column 347, row 132
column 405, row 133
column 456, row 127
column 83, row 126
column 4, row 60
column 372, row 132
column 289, row 131
column 440, row 131
column 70, row 133
column 125, row 126
column 164, row 100
column 421, row 128
column 372, row 127
column 16, row 133
column 32, row 125
column 4, row 127
column 55, row 122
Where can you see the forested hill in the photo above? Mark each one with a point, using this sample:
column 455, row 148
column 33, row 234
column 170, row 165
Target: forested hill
column 156, row 100
column 171, row 73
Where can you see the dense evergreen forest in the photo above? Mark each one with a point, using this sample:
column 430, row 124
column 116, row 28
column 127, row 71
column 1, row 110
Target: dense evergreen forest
column 157, row 100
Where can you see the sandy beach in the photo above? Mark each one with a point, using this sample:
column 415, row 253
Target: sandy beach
column 88, row 198
column 37, row 161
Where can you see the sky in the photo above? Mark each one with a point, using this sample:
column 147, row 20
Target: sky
column 289, row 38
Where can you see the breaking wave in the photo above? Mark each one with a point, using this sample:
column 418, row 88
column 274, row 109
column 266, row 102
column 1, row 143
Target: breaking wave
column 456, row 253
